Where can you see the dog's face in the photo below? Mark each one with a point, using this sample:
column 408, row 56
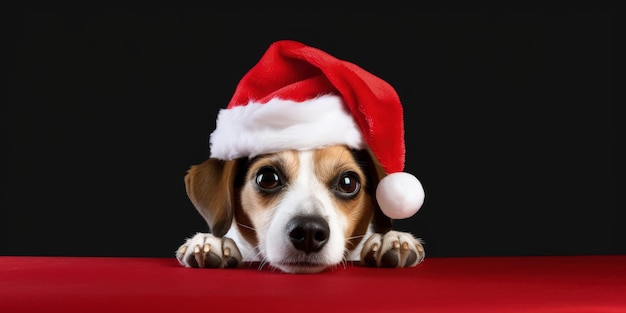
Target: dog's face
column 306, row 206
column 302, row 210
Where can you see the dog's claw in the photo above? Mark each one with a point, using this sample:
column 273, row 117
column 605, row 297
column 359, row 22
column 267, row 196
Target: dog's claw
column 419, row 248
column 198, row 256
column 396, row 244
column 405, row 246
column 231, row 253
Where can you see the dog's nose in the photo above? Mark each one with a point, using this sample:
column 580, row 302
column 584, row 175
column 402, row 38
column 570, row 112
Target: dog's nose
column 308, row 233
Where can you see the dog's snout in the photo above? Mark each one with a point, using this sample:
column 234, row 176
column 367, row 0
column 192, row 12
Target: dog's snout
column 308, row 233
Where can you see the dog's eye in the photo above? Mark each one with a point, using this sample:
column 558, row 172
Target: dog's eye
column 348, row 184
column 267, row 179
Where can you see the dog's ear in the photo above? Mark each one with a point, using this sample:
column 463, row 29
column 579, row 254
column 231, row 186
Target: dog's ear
column 375, row 173
column 211, row 188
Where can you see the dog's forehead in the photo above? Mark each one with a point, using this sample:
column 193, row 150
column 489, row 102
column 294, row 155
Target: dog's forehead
column 282, row 159
column 334, row 156
column 325, row 161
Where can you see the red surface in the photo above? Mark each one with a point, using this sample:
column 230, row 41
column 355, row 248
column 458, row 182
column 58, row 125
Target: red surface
column 497, row 284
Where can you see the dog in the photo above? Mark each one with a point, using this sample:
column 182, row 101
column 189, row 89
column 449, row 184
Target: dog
column 298, row 211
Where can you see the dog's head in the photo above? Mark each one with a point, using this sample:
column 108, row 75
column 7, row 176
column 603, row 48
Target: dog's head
column 304, row 211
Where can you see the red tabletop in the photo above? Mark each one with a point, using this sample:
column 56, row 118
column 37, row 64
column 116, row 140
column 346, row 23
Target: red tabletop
column 477, row 284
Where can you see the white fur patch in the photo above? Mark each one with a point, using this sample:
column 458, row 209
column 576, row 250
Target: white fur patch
column 256, row 128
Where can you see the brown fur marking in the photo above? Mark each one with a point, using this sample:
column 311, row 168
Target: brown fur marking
column 358, row 211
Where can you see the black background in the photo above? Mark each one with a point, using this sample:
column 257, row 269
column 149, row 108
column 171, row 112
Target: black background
column 509, row 125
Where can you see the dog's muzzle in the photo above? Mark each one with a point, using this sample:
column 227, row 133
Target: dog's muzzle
column 308, row 233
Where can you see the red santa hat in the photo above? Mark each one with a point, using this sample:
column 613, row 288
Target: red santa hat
column 299, row 97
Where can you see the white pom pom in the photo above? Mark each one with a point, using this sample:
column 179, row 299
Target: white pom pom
column 400, row 195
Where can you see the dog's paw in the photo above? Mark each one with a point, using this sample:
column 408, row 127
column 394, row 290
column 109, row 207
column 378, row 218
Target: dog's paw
column 207, row 251
column 393, row 249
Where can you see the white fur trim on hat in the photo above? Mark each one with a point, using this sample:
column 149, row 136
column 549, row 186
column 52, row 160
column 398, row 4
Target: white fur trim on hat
column 260, row 128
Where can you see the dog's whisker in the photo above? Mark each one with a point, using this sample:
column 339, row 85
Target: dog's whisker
column 262, row 264
column 344, row 260
column 252, row 255
column 260, row 254
column 246, row 226
column 349, row 242
column 343, row 263
column 248, row 257
column 355, row 237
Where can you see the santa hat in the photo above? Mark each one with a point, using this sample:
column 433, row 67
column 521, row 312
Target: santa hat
column 299, row 97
